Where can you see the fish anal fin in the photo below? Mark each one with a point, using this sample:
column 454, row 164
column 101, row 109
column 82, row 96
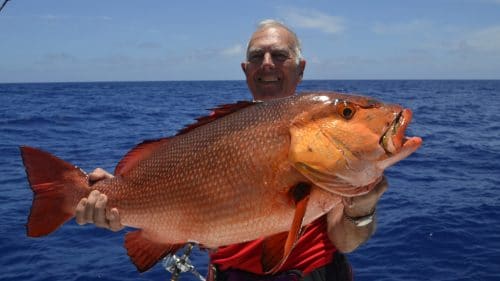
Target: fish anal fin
column 217, row 113
column 137, row 154
column 278, row 247
column 145, row 253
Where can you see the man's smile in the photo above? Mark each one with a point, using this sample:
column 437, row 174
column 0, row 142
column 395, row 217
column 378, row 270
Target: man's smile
column 269, row 78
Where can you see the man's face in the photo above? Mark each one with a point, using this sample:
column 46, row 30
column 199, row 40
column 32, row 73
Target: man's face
column 271, row 70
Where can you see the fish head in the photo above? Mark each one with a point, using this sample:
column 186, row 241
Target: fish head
column 343, row 143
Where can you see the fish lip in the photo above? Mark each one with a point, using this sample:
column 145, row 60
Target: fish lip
column 394, row 138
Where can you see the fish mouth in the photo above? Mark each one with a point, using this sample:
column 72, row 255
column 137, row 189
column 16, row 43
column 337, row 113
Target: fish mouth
column 394, row 138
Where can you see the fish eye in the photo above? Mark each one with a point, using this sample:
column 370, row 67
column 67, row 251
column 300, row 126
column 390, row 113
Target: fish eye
column 346, row 110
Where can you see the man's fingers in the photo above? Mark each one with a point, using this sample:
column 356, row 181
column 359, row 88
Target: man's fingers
column 100, row 211
column 114, row 220
column 90, row 206
column 93, row 210
column 364, row 204
column 80, row 212
column 381, row 187
column 99, row 174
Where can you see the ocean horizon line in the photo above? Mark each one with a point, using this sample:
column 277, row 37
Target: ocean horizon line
column 243, row 80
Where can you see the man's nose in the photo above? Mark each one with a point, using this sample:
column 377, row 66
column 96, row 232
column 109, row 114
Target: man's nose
column 267, row 62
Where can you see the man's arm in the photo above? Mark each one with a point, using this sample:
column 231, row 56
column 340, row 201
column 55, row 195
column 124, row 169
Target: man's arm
column 93, row 208
column 344, row 234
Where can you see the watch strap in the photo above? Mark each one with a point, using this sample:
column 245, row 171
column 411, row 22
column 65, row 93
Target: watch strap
column 361, row 220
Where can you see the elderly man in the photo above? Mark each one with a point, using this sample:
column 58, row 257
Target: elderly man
column 273, row 68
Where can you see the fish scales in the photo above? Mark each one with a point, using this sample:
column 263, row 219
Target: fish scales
column 205, row 166
column 233, row 176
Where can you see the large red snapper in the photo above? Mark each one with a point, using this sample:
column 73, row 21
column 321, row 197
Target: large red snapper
column 249, row 170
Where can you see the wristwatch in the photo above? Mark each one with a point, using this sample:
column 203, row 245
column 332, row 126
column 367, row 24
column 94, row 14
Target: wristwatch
column 362, row 220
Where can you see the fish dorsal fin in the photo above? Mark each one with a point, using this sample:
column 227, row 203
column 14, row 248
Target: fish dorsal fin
column 278, row 247
column 145, row 253
column 138, row 153
column 146, row 148
column 217, row 113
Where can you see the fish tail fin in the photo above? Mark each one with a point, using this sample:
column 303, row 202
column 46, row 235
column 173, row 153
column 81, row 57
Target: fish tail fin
column 57, row 187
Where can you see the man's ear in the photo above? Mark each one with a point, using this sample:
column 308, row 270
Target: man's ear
column 301, row 67
column 244, row 67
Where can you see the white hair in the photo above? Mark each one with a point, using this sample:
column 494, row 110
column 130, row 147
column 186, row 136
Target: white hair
column 297, row 48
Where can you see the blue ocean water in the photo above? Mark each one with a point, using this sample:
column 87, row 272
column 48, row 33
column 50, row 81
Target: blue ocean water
column 439, row 220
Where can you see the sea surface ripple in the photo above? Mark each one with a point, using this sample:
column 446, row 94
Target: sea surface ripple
column 439, row 219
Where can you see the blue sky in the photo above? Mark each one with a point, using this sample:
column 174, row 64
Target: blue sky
column 107, row 40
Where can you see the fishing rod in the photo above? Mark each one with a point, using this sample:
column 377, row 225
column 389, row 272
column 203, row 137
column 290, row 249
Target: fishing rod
column 177, row 265
column 3, row 5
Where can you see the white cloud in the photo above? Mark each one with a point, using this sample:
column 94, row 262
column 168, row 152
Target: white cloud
column 402, row 28
column 477, row 44
column 314, row 20
column 342, row 62
column 236, row 50
column 149, row 45
column 57, row 58
column 50, row 17
column 487, row 39
column 53, row 18
column 492, row 1
column 457, row 40
column 104, row 18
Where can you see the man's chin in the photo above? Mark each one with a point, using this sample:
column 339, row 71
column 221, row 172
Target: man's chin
column 269, row 96
column 270, row 88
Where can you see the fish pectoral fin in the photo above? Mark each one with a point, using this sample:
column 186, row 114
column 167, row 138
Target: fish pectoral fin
column 273, row 251
column 145, row 253
column 277, row 248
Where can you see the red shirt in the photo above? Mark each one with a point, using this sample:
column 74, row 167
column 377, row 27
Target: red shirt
column 312, row 250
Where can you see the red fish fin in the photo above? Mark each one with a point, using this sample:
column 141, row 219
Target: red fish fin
column 217, row 113
column 138, row 153
column 57, row 186
column 273, row 251
column 144, row 253
column 278, row 247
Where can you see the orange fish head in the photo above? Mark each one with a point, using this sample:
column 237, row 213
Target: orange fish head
column 346, row 141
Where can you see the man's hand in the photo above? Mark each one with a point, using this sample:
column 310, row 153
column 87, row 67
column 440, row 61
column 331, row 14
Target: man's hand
column 344, row 234
column 93, row 208
column 365, row 204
